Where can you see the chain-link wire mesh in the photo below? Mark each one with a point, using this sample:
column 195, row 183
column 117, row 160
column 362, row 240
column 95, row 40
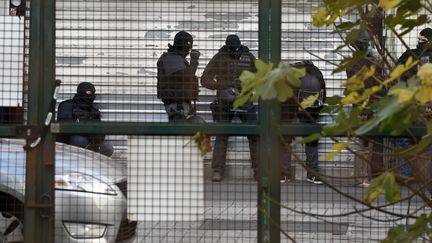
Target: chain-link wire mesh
column 12, row 51
column 12, row 103
column 119, row 47
column 336, row 211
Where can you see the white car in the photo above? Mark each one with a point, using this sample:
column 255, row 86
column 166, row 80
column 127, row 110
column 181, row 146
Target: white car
column 90, row 195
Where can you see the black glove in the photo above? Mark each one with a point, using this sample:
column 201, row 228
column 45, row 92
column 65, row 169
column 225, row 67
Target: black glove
column 195, row 54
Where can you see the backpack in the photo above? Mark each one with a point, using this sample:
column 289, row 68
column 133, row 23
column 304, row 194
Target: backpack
column 311, row 84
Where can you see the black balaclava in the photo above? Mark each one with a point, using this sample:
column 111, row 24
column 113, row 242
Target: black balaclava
column 427, row 32
column 183, row 43
column 233, row 42
column 86, row 93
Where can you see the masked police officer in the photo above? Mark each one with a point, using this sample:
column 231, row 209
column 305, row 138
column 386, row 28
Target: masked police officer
column 81, row 108
column 222, row 74
column 177, row 85
column 422, row 51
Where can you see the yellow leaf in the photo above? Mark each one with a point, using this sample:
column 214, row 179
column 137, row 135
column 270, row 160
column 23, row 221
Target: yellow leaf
column 331, row 20
column 351, row 98
column 318, row 19
column 247, row 76
column 331, row 155
column 400, row 69
column 309, row 101
column 356, row 82
column 425, row 74
column 203, row 142
column 364, row 104
column 262, row 67
column 388, row 4
column 341, row 145
column 424, row 95
column 338, row 148
column 404, row 95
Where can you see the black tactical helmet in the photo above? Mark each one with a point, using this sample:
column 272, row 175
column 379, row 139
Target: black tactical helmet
column 426, row 32
column 233, row 41
column 425, row 36
column 183, row 41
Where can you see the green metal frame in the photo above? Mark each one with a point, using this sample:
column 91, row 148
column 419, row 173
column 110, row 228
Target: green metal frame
column 39, row 193
column 269, row 113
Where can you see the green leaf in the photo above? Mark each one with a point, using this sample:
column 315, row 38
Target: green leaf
column 334, row 100
column 262, row 67
column 388, row 4
column 310, row 138
column 318, row 19
column 344, row 26
column 416, row 149
column 412, row 6
column 409, row 233
column 241, row 100
column 344, row 122
column 396, row 234
column 284, row 91
column 329, row 109
column 353, row 35
column 266, row 91
column 337, row 128
column 247, row 76
column 350, row 61
column 386, row 182
column 368, row 126
column 248, row 81
column 293, row 75
column 400, row 121
column 388, row 106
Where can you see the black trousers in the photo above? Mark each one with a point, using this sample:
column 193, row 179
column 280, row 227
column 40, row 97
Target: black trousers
column 224, row 114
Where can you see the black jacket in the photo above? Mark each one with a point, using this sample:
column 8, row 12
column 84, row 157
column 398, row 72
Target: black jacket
column 424, row 56
column 370, row 82
column 224, row 69
column 176, row 80
column 76, row 110
column 415, row 53
column 289, row 108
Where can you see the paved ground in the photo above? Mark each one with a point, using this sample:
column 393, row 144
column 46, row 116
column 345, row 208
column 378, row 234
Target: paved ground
column 310, row 213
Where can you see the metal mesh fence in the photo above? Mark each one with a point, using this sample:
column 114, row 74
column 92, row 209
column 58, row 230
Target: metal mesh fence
column 12, row 51
column 335, row 212
column 113, row 58
column 12, row 158
column 116, row 46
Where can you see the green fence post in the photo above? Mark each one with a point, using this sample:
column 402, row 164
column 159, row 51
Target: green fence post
column 39, row 193
column 273, row 126
column 263, row 53
column 269, row 114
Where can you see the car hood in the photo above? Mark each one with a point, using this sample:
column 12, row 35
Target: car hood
column 67, row 159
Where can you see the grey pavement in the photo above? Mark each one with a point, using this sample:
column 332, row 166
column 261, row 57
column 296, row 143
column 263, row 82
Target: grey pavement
column 310, row 213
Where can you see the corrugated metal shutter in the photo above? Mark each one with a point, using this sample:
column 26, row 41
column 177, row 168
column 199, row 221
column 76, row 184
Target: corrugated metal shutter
column 115, row 45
